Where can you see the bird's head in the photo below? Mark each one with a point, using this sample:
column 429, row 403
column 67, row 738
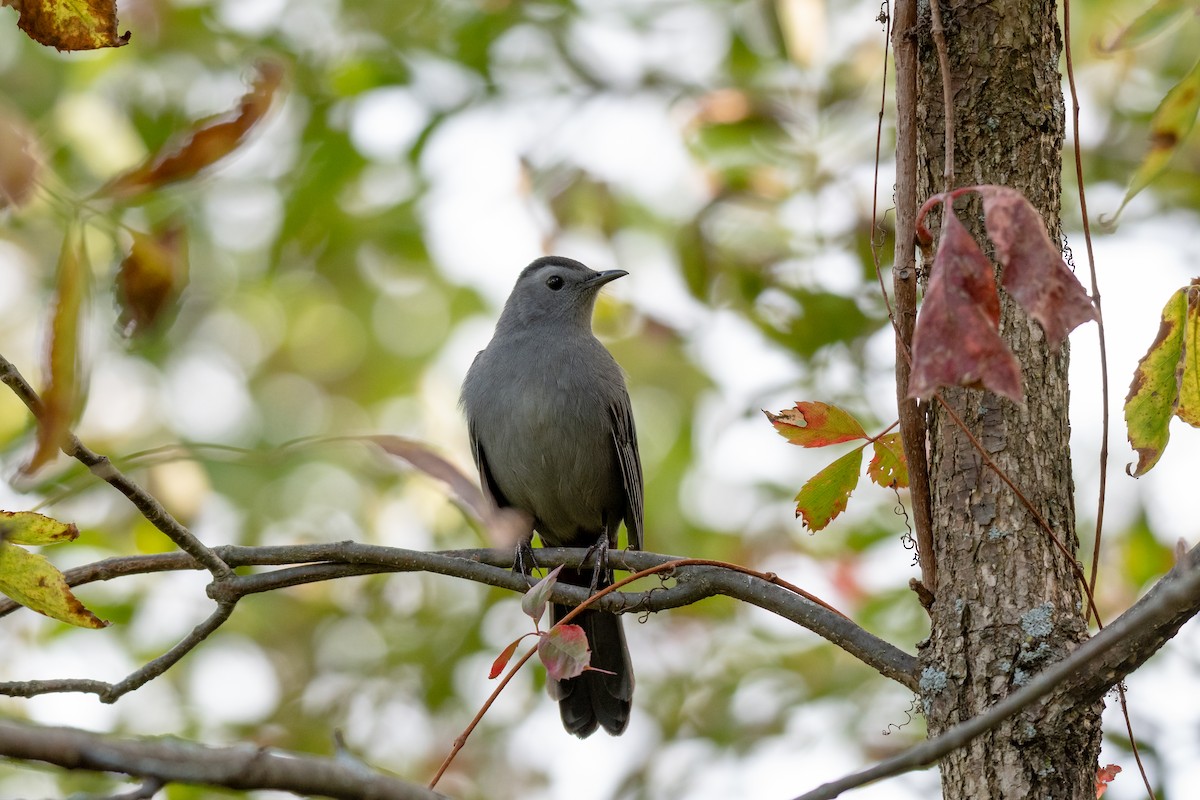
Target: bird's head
column 555, row 291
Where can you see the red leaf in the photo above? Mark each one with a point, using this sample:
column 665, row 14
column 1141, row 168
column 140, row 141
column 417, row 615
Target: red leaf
column 956, row 341
column 816, row 425
column 1034, row 272
column 564, row 651
column 502, row 660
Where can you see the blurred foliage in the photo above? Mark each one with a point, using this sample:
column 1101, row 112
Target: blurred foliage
column 345, row 263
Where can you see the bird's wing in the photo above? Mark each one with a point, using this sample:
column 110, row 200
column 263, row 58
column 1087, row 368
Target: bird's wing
column 490, row 489
column 625, row 441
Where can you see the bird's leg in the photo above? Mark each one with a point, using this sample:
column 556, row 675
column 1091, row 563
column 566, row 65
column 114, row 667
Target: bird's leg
column 524, row 560
column 600, row 551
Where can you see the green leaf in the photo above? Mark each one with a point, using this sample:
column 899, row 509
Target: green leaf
column 1172, row 122
column 1151, row 22
column 816, row 425
column 888, row 467
column 1154, row 392
column 826, row 494
column 37, row 584
column 29, row 527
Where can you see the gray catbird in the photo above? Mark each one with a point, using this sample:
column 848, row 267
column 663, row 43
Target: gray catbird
column 552, row 434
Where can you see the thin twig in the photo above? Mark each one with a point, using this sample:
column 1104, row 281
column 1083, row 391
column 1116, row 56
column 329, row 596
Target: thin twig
column 943, row 54
column 104, row 469
column 904, row 284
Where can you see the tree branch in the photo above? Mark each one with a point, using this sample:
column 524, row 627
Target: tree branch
column 172, row 761
column 1084, row 675
column 489, row 566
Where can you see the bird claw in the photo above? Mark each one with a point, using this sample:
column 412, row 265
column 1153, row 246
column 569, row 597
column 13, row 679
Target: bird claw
column 600, row 551
column 524, row 560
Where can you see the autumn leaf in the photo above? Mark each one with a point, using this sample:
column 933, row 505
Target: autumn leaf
column 61, row 399
column 564, row 652
column 1105, row 776
column 956, row 341
column 1166, row 377
column 826, row 493
column 1173, row 120
column 1034, row 272
column 151, row 276
column 888, row 467
column 78, row 25
column 816, row 425
column 534, row 601
column 30, row 527
column 35, row 583
column 20, row 159
column 209, row 141
column 505, row 656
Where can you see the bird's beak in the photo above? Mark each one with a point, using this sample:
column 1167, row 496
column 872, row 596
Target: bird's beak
column 601, row 278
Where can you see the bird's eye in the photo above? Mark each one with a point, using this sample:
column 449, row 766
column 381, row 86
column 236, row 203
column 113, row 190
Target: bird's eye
column 555, row 282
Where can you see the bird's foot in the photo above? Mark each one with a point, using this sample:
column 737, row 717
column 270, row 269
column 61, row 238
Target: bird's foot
column 524, row 560
column 600, row 552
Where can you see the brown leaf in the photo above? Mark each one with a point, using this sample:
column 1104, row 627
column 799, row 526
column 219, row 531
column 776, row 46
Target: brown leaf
column 956, row 341
column 209, row 141
column 432, row 464
column 78, row 25
column 151, row 277
column 20, row 159
column 1034, row 272
column 61, row 399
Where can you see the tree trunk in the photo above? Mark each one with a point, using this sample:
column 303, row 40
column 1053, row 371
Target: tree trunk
column 1007, row 603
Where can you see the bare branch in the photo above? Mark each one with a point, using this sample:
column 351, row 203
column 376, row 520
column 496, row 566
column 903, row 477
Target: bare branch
column 172, row 761
column 1085, row 674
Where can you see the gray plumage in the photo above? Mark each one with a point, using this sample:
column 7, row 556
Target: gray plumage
column 552, row 434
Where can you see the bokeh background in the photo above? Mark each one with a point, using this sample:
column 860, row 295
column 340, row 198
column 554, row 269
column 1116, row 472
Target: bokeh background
column 350, row 259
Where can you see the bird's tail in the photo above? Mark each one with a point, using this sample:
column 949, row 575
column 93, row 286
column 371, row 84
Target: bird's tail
column 595, row 698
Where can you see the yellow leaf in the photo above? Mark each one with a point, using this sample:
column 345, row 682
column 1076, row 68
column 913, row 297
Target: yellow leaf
column 29, row 527
column 35, row 583
column 78, row 25
column 1154, row 392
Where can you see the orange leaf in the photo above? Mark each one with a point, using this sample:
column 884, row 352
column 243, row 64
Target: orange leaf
column 61, row 399
column 151, row 276
column 816, row 425
column 209, row 141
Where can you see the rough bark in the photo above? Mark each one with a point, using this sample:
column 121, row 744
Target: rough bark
column 1007, row 603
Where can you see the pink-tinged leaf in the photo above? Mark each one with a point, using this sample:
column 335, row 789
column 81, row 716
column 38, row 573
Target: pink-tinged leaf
column 1034, row 271
column 422, row 457
column 1104, row 776
column 502, row 660
column 62, row 397
column 888, row 467
column 21, row 159
column 956, row 341
column 30, row 527
column 35, row 583
column 826, row 493
column 534, row 601
column 816, row 425
column 564, row 651
column 1168, row 372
